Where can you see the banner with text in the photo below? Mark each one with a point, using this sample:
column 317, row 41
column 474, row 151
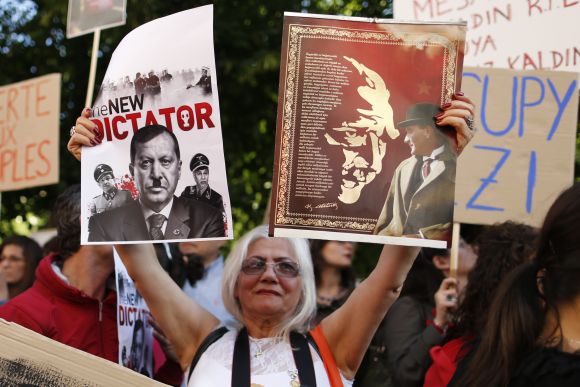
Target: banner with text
column 351, row 90
column 29, row 133
column 134, row 331
column 522, row 156
column 513, row 34
column 86, row 16
column 159, row 173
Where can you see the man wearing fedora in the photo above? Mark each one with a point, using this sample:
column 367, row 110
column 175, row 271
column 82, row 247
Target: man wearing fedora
column 199, row 166
column 421, row 194
column 112, row 197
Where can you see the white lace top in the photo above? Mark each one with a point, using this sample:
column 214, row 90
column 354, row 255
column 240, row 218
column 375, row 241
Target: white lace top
column 271, row 363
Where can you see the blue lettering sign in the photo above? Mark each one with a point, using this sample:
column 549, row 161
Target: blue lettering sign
column 489, row 179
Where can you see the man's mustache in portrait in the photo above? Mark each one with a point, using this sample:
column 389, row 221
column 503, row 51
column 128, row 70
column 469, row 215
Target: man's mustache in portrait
column 364, row 141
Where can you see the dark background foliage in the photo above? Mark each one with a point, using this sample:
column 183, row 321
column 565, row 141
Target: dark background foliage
column 247, row 35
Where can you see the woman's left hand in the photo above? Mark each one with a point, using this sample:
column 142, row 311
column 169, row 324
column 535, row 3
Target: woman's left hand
column 459, row 114
column 83, row 133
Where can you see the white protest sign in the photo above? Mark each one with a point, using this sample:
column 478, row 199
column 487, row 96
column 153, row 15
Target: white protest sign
column 160, row 88
column 514, row 34
column 86, row 16
column 135, row 332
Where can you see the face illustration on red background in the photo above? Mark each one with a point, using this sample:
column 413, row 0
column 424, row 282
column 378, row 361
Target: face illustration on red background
column 364, row 139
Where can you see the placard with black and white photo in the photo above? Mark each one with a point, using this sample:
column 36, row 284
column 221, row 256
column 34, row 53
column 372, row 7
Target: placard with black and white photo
column 159, row 173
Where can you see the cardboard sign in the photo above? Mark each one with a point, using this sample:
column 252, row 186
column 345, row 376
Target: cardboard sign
column 29, row 133
column 522, row 156
column 30, row 359
column 513, row 34
column 86, row 16
column 160, row 88
column 350, row 91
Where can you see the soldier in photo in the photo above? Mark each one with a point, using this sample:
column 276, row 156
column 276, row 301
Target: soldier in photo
column 153, row 86
column 140, row 84
column 112, row 197
column 204, row 82
column 158, row 214
column 201, row 191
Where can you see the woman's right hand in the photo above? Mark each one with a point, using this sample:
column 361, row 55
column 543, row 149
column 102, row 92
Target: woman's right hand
column 85, row 133
column 445, row 302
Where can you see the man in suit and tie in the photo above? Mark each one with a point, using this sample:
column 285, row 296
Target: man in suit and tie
column 158, row 214
column 421, row 196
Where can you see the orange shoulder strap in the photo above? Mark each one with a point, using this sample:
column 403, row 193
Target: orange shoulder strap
column 327, row 358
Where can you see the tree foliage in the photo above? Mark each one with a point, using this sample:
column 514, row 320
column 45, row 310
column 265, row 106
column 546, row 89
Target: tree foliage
column 247, row 35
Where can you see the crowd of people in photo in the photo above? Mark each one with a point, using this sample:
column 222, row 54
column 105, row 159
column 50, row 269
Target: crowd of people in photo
column 287, row 311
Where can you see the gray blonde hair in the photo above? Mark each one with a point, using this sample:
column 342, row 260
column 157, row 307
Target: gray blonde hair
column 306, row 307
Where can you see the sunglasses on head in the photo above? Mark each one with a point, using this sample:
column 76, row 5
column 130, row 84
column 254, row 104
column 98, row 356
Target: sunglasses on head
column 257, row 266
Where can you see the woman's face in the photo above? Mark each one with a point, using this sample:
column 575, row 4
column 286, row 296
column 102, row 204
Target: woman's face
column 337, row 254
column 268, row 295
column 467, row 256
column 12, row 264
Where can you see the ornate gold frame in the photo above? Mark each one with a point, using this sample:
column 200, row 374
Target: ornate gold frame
column 298, row 32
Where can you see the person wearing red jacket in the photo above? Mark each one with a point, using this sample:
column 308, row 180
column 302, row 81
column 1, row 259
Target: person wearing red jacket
column 73, row 298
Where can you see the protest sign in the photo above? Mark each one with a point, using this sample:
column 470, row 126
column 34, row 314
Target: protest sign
column 158, row 113
column 29, row 133
column 30, row 359
column 135, row 332
column 348, row 89
column 86, row 16
column 522, row 157
column 513, row 34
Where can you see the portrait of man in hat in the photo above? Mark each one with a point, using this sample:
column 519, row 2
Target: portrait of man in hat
column 199, row 166
column 421, row 194
column 158, row 214
column 112, row 197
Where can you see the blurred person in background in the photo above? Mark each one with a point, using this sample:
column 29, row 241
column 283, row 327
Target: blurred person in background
column 335, row 278
column 419, row 319
column 73, row 298
column 204, row 268
column 501, row 248
column 532, row 333
column 19, row 256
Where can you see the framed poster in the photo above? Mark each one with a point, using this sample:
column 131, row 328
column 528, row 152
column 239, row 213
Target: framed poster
column 346, row 167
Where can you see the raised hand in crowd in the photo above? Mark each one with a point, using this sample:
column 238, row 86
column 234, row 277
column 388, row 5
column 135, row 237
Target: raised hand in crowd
column 445, row 302
column 83, row 133
column 459, row 114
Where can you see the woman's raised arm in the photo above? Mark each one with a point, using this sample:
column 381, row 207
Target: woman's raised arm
column 349, row 329
column 184, row 322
